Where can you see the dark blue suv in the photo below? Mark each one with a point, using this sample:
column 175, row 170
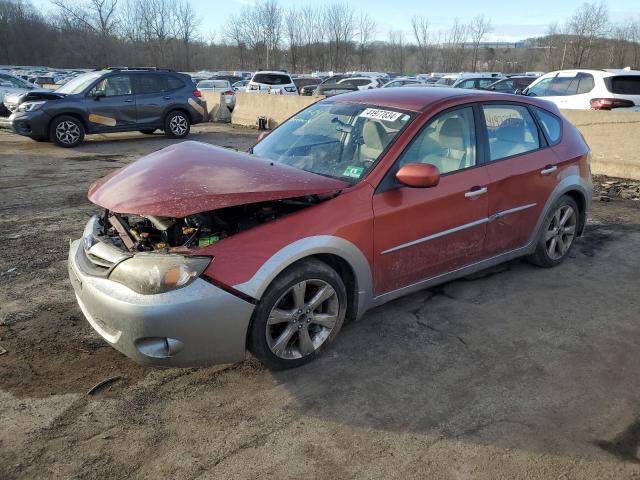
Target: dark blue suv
column 111, row 100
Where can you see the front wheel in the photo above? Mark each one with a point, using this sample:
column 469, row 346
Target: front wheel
column 300, row 314
column 177, row 125
column 66, row 131
column 558, row 233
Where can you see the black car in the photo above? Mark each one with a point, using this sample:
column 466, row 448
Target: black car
column 111, row 100
column 511, row 84
column 311, row 89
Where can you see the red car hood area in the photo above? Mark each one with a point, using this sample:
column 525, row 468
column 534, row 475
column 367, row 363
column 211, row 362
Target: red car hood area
column 192, row 177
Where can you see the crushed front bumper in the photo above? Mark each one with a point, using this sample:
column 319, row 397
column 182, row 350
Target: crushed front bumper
column 196, row 325
column 30, row 124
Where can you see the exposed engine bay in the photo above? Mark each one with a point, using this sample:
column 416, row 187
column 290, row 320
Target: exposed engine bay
column 149, row 233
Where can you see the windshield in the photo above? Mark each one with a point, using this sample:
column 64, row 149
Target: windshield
column 79, row 83
column 338, row 140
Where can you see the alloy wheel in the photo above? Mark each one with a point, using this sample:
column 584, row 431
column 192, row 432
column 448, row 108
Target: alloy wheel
column 67, row 132
column 561, row 232
column 302, row 319
column 178, row 125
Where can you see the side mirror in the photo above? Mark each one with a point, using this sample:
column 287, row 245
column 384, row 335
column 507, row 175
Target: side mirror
column 262, row 135
column 98, row 94
column 418, row 175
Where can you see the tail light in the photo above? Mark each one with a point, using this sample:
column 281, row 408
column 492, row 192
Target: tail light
column 228, row 92
column 609, row 103
column 290, row 89
column 197, row 93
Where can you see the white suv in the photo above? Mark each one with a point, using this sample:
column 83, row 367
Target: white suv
column 589, row 89
column 277, row 82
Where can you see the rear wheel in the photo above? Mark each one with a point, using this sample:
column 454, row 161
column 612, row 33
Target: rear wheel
column 148, row 131
column 177, row 125
column 559, row 231
column 300, row 314
column 66, row 131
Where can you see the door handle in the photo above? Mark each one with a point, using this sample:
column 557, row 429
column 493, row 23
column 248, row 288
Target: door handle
column 167, row 97
column 476, row 191
column 129, row 100
column 548, row 170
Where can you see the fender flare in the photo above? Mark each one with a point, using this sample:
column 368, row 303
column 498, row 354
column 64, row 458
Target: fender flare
column 306, row 247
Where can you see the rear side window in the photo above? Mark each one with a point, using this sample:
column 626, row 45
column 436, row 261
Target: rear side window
column 550, row 123
column 511, row 130
column 575, row 85
column 272, row 79
column 174, row 83
column 150, row 83
column 623, row 84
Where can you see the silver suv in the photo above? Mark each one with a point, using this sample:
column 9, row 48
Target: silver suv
column 275, row 81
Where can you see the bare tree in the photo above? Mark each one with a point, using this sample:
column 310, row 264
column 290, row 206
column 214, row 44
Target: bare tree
column 620, row 44
column 365, row 33
column 294, row 32
column 339, row 22
column 422, row 35
column 452, row 47
column 587, row 24
column 187, row 23
column 478, row 29
column 397, row 50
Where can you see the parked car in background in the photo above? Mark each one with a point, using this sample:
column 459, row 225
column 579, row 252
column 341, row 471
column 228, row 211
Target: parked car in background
column 449, row 79
column 333, row 89
column 11, row 88
column 511, row 84
column 240, row 86
column 401, row 82
column 274, row 249
column 222, row 87
column 276, row 81
column 473, row 82
column 230, row 78
column 111, row 100
column 302, row 82
column 332, row 80
column 363, row 83
column 589, row 89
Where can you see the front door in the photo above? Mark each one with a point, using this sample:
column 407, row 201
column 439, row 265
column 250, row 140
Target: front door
column 111, row 104
column 421, row 233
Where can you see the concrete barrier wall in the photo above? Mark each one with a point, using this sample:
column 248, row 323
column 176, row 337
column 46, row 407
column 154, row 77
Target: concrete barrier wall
column 276, row 108
column 216, row 107
column 614, row 138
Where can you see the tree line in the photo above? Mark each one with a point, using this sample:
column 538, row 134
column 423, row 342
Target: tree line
column 170, row 33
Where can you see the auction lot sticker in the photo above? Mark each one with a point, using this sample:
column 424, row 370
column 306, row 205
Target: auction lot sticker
column 377, row 114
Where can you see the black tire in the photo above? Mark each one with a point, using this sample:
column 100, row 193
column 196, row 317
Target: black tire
column 310, row 271
column 177, row 124
column 543, row 256
column 148, row 131
column 73, row 127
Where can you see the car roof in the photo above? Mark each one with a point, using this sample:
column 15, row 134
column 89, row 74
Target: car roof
column 407, row 98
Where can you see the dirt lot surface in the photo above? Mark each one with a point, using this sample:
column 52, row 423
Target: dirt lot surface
column 518, row 372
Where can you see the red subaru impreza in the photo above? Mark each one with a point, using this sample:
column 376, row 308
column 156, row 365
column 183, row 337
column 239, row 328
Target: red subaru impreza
column 202, row 252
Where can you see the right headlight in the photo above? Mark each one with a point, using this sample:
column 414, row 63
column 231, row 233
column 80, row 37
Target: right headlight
column 30, row 106
column 158, row 273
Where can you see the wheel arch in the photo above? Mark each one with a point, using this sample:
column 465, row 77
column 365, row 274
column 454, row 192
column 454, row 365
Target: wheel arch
column 176, row 108
column 342, row 255
column 75, row 115
column 579, row 197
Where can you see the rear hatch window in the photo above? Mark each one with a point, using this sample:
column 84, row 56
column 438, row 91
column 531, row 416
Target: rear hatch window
column 272, row 79
column 624, row 84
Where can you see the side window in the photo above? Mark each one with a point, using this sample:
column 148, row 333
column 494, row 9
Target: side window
column 585, row 83
column 540, row 89
column 149, row 83
column 551, row 125
column 448, row 142
column 174, row 83
column 511, row 130
column 114, row 86
column 484, row 82
column 466, row 84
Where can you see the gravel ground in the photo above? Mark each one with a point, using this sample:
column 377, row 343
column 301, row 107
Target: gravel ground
column 517, row 372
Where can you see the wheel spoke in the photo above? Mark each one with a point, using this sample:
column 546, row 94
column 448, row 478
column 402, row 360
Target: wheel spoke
column 327, row 320
column 549, row 235
column 567, row 214
column 298, row 292
column 278, row 316
column 325, row 293
column 552, row 247
column 561, row 246
column 283, row 340
column 569, row 230
column 304, row 342
column 556, row 218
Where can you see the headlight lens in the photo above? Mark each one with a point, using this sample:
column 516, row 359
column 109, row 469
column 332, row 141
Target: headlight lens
column 154, row 273
column 30, row 106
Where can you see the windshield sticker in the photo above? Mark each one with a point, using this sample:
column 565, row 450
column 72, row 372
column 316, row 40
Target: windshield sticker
column 353, row 172
column 376, row 114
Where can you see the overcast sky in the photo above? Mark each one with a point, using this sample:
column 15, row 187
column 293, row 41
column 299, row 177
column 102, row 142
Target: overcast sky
column 512, row 19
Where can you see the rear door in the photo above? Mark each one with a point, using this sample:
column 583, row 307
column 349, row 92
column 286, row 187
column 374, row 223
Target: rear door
column 421, row 233
column 116, row 109
column 152, row 98
column 522, row 174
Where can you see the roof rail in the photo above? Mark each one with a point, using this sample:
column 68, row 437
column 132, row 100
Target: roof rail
column 141, row 68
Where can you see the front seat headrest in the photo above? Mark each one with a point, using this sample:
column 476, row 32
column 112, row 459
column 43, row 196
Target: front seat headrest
column 452, row 134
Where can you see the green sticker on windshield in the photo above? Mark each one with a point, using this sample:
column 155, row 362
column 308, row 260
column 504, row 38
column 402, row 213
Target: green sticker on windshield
column 353, row 172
